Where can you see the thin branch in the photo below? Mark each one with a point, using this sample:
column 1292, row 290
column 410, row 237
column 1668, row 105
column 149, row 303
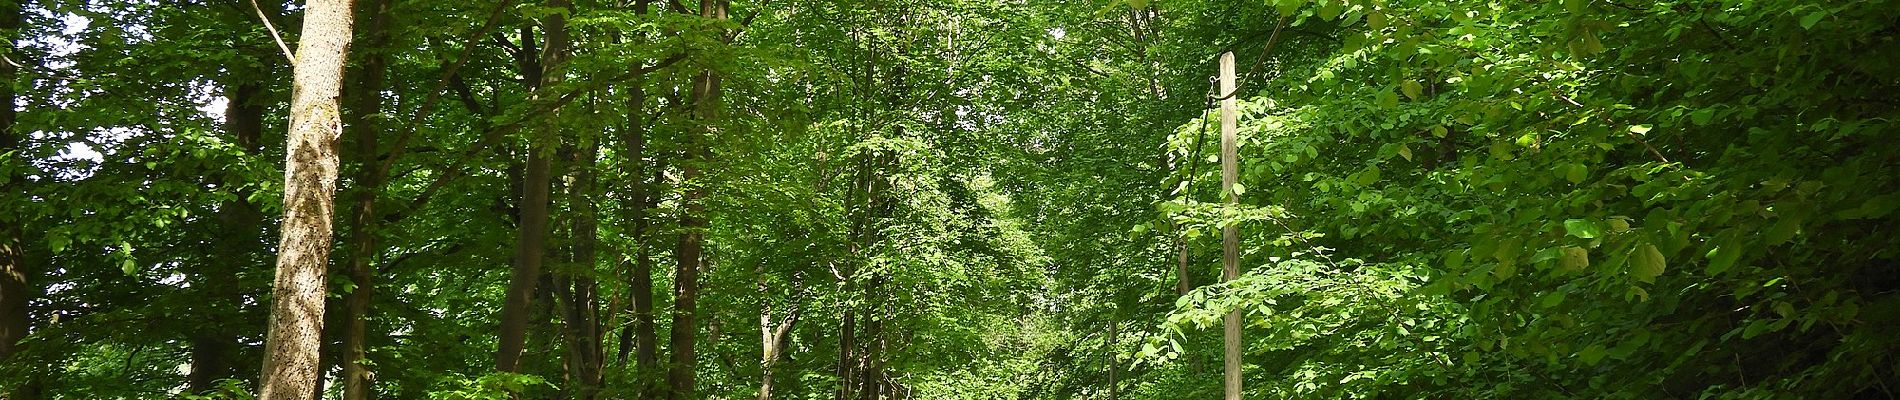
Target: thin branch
column 288, row 55
column 495, row 133
column 435, row 92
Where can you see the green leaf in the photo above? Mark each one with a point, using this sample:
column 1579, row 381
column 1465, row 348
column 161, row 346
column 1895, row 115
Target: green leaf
column 1405, row 151
column 1239, row 189
column 1646, row 263
column 1501, row 150
column 1387, row 99
column 1329, row 10
column 1783, row 230
column 1640, row 129
column 1574, row 259
column 1756, row 328
column 1367, row 176
column 1412, row 89
column 1812, row 18
column 1723, row 257
column 57, row 241
column 1582, row 228
column 1702, row 117
column 1576, row 173
column 1592, row 354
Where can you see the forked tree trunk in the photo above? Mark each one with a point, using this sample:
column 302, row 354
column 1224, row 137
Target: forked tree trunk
column 771, row 335
column 310, row 172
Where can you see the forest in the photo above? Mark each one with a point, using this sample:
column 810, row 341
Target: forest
column 949, row 199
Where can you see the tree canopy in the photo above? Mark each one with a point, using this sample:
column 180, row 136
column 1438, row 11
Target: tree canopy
column 954, row 199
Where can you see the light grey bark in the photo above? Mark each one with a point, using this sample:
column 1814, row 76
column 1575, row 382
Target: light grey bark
column 310, row 173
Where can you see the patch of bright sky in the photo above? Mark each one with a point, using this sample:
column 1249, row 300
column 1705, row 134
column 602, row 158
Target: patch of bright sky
column 82, row 158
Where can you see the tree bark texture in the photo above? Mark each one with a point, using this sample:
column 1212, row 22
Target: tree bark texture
column 310, row 173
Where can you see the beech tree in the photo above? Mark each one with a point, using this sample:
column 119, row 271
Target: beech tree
column 310, row 174
column 957, row 199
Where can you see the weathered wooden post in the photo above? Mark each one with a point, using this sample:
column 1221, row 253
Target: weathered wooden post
column 1230, row 234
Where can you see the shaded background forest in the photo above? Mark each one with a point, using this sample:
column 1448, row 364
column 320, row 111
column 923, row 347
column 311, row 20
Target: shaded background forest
column 968, row 199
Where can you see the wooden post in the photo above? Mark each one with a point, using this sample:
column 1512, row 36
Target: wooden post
column 1230, row 234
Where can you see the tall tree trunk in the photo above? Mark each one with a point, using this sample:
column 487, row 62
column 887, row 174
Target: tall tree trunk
column 706, row 103
column 529, row 246
column 847, row 342
column 15, row 274
column 577, row 291
column 1114, row 366
column 641, row 340
column 870, row 376
column 310, row 171
column 640, row 280
column 365, row 102
column 212, row 349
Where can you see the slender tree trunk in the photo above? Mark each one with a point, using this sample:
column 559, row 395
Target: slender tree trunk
column 647, row 356
column 1230, row 234
column 577, row 291
column 680, row 372
column 16, row 286
column 871, row 376
column 706, row 103
column 365, row 102
column 310, row 171
column 212, row 349
column 530, row 245
column 1114, row 366
column 847, row 341
column 641, row 339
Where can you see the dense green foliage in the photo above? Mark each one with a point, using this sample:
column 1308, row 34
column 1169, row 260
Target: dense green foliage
column 982, row 199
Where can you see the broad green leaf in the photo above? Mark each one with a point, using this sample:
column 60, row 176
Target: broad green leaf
column 1723, row 257
column 57, row 241
column 1576, row 173
column 1412, row 89
column 1582, row 228
column 1808, row 21
column 1387, row 99
column 1646, row 263
column 1574, row 259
